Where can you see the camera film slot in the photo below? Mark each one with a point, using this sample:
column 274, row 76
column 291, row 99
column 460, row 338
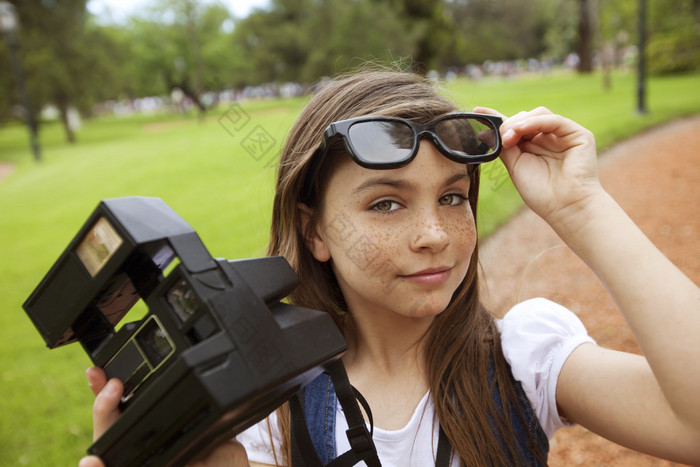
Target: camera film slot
column 145, row 351
column 98, row 246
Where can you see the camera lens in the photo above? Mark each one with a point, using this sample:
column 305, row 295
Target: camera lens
column 154, row 342
column 183, row 300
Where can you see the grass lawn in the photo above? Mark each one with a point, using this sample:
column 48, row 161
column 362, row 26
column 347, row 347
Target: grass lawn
column 219, row 180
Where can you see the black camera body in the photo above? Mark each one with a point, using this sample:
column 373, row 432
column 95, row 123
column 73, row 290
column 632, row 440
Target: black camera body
column 217, row 350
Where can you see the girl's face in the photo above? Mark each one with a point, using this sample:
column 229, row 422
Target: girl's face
column 400, row 240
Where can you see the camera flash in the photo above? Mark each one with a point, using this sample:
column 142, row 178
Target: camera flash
column 98, row 246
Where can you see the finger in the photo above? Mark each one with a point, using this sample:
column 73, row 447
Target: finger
column 524, row 115
column 550, row 123
column 509, row 137
column 561, row 132
column 105, row 410
column 536, row 111
column 96, row 379
column 489, row 111
column 91, row 461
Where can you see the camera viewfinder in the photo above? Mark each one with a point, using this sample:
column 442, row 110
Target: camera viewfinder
column 148, row 348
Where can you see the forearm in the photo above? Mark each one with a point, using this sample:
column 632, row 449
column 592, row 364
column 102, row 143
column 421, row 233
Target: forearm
column 660, row 304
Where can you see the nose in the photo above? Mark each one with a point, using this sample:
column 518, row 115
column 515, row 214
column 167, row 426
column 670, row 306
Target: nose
column 430, row 233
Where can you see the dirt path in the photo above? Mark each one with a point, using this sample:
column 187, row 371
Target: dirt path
column 655, row 177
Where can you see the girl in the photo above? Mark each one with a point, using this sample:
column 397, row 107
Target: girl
column 377, row 216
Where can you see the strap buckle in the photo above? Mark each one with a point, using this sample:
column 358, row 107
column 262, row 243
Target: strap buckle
column 360, row 441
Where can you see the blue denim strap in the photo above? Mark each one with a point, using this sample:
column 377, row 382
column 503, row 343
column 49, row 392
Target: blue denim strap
column 319, row 407
column 526, row 427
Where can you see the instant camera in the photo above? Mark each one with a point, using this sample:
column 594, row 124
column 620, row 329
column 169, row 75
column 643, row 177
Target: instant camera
column 217, row 350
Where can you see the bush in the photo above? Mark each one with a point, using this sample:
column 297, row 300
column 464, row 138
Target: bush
column 674, row 51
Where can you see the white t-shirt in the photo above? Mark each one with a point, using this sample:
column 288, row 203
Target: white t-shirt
column 537, row 337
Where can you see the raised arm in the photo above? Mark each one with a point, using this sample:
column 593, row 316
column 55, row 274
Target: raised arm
column 648, row 404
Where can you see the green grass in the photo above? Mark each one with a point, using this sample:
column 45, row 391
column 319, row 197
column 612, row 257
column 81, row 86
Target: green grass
column 203, row 172
column 199, row 169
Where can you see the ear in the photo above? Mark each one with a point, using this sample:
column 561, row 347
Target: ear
column 313, row 238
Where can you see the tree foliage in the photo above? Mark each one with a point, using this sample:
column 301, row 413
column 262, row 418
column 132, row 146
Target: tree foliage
column 295, row 40
column 57, row 64
column 72, row 59
column 496, row 30
column 675, row 36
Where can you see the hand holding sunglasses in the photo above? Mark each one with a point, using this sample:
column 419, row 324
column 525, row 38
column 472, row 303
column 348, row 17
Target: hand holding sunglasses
column 551, row 159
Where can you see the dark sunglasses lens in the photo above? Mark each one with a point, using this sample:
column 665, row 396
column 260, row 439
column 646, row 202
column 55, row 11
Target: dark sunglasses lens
column 381, row 142
column 467, row 135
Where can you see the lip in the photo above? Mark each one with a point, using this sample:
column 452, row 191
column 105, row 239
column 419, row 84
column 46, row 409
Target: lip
column 429, row 276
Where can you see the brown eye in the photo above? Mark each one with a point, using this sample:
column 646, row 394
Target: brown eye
column 385, row 206
column 451, row 200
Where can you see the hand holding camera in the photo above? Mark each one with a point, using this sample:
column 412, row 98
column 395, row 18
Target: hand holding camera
column 106, row 411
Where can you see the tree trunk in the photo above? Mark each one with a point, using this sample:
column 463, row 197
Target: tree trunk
column 63, row 111
column 585, row 37
column 187, row 91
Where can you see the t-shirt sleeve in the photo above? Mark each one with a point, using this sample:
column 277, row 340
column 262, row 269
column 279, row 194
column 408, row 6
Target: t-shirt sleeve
column 258, row 441
column 537, row 337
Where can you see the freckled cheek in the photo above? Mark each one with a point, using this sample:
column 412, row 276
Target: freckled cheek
column 359, row 246
column 380, row 245
column 462, row 232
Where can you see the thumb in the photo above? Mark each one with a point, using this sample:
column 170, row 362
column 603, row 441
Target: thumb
column 96, row 379
column 105, row 410
column 91, row 461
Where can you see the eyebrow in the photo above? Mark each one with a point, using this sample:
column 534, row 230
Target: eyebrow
column 400, row 183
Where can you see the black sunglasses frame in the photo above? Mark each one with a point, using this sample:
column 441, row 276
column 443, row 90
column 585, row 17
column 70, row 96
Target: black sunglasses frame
column 341, row 129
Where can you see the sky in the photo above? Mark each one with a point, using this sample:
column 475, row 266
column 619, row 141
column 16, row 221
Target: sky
column 120, row 9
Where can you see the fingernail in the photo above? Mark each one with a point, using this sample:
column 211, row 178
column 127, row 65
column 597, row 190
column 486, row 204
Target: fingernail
column 111, row 388
column 509, row 134
column 87, row 375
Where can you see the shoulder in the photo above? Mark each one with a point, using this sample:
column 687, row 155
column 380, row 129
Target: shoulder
column 537, row 337
column 539, row 319
column 262, row 440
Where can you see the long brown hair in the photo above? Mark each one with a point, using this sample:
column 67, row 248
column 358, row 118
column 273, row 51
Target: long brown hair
column 462, row 342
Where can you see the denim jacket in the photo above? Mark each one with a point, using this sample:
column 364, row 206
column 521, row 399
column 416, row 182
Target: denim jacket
column 320, row 404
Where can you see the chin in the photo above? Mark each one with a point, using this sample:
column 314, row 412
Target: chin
column 426, row 307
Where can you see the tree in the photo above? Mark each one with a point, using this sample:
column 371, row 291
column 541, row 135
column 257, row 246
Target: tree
column 674, row 36
column 171, row 45
column 586, row 32
column 618, row 26
column 303, row 40
column 674, row 44
column 496, row 30
column 9, row 96
column 432, row 27
column 70, row 59
column 60, row 69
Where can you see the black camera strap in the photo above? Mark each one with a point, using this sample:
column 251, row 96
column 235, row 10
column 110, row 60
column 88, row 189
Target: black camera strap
column 362, row 446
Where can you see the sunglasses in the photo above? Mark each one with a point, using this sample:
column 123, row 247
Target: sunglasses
column 377, row 142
